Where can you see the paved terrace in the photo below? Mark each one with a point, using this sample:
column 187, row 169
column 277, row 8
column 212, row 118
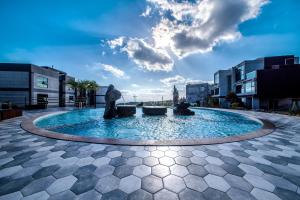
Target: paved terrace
column 34, row 167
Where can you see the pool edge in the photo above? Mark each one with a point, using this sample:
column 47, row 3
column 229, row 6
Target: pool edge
column 28, row 125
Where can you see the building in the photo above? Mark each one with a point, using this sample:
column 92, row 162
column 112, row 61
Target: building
column 100, row 96
column 198, row 93
column 28, row 84
column 264, row 83
column 222, row 86
column 267, row 83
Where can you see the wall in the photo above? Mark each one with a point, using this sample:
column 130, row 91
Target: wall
column 53, row 87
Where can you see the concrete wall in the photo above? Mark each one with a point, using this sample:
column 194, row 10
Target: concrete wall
column 52, row 91
column 223, row 82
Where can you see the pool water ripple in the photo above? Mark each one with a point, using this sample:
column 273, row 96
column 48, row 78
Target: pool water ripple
column 205, row 123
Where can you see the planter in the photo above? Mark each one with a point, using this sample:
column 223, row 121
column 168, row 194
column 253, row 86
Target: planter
column 126, row 111
column 11, row 113
column 154, row 110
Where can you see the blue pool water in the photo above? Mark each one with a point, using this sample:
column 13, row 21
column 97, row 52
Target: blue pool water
column 204, row 124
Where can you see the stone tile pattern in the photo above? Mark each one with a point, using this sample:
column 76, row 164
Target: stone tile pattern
column 34, row 167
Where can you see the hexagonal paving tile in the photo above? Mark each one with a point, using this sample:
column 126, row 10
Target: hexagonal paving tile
column 150, row 161
column 134, row 161
column 173, row 183
column 107, row 184
column 123, row 171
column 197, row 170
column 189, row 194
column 214, row 160
column 198, row 160
column 171, row 154
column 157, row 154
column 152, row 183
column 113, row 154
column 130, row 184
column 259, row 182
column 141, row 171
column 166, row 161
column 195, row 182
column 198, row 153
column 114, row 195
column 179, row 170
column 61, row 184
column 182, row 161
column 216, row 182
column 101, row 161
column 104, row 170
column 142, row 154
column 140, row 195
column 165, row 194
column 160, row 171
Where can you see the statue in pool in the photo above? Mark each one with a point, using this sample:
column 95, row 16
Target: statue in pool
column 111, row 96
column 182, row 107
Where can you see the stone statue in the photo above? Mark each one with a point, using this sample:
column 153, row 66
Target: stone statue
column 111, row 96
column 175, row 96
column 183, row 109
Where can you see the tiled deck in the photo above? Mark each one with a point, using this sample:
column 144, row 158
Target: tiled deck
column 34, row 167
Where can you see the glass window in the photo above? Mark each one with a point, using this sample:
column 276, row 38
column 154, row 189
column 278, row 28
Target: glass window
column 42, row 82
column 250, row 87
column 216, row 78
column 251, row 75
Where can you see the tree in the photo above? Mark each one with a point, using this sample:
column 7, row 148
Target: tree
column 84, row 87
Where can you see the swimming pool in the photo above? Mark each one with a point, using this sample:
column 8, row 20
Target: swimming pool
column 205, row 124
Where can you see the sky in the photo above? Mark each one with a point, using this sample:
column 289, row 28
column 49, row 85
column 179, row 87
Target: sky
column 144, row 47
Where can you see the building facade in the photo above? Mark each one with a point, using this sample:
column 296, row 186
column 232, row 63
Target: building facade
column 264, row 83
column 222, row 86
column 28, row 84
column 198, row 93
column 267, row 83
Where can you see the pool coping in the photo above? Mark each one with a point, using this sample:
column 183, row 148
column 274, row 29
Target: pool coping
column 28, row 125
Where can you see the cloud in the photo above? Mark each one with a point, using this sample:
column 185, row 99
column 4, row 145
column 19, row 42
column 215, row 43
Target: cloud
column 115, row 71
column 147, row 57
column 99, row 68
column 143, row 54
column 180, row 81
column 147, row 12
column 189, row 27
column 186, row 27
column 116, row 42
column 135, row 85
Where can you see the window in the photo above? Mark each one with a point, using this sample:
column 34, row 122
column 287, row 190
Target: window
column 71, row 98
column 216, row 78
column 42, row 82
column 217, row 91
column 238, row 89
column 250, row 87
column 202, row 89
column 251, row 75
column 240, row 73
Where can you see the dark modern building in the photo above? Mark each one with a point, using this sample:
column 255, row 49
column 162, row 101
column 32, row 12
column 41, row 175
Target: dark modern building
column 267, row 83
column 198, row 93
column 222, row 85
column 270, row 83
column 28, row 84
